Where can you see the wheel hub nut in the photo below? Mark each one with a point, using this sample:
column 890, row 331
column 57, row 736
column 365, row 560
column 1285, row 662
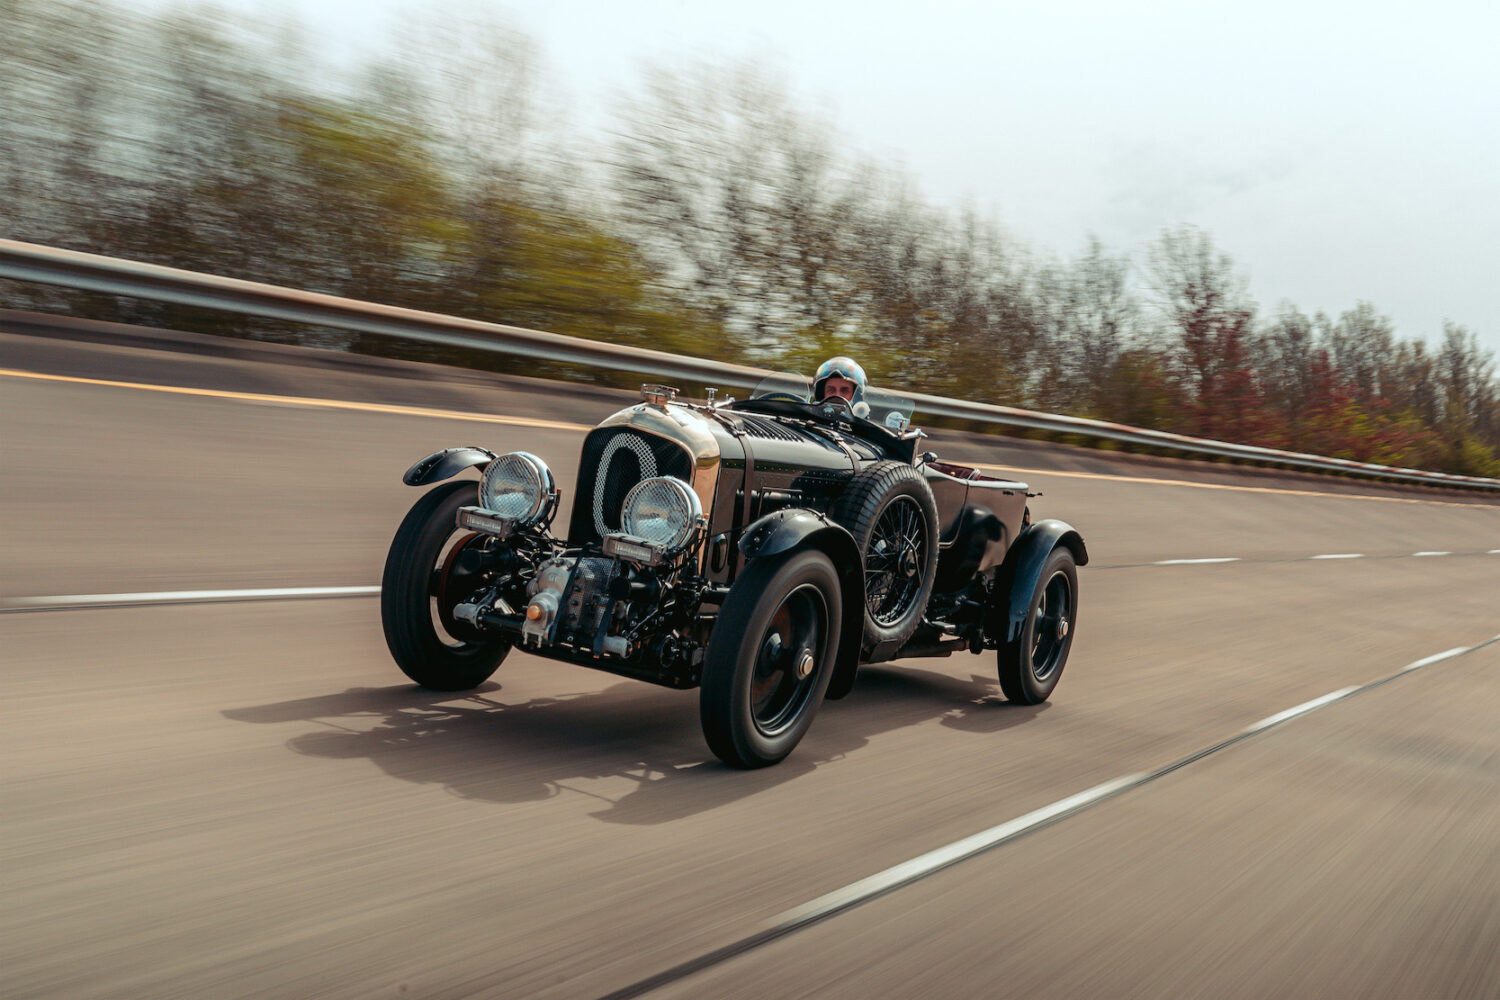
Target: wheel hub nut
column 1062, row 628
column 805, row 665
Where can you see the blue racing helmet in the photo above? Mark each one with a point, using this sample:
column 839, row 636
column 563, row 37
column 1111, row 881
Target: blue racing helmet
column 844, row 368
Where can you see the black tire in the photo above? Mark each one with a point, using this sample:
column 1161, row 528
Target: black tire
column 1030, row 666
column 416, row 599
column 885, row 496
column 761, row 688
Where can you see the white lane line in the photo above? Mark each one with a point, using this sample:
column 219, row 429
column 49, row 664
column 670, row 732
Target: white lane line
column 1302, row 709
column 1493, row 552
column 180, row 597
column 1013, row 470
column 1434, row 658
column 1195, row 562
column 897, row 877
column 953, row 853
column 1432, row 553
column 1340, row 555
column 960, row 850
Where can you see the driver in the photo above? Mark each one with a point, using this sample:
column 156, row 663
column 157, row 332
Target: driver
column 840, row 377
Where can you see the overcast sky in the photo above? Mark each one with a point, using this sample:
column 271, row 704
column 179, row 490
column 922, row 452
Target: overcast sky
column 1337, row 151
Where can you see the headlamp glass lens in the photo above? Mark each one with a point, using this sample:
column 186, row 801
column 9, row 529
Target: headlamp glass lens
column 516, row 486
column 660, row 510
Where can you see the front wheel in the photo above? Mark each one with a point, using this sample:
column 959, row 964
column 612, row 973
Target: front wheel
column 770, row 657
column 432, row 566
column 1031, row 665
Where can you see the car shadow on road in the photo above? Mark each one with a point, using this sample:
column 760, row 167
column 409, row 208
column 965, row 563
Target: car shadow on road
column 481, row 747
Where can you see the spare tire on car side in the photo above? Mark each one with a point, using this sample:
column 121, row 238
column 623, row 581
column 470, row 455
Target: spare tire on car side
column 889, row 509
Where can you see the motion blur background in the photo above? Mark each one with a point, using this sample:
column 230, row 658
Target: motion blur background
column 680, row 180
column 218, row 784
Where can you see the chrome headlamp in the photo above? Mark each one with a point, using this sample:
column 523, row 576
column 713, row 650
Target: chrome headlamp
column 519, row 488
column 662, row 511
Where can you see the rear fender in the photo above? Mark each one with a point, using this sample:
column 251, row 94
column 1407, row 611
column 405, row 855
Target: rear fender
column 793, row 528
column 1018, row 576
column 445, row 464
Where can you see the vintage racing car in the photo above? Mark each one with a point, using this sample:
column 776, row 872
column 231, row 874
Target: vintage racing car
column 760, row 549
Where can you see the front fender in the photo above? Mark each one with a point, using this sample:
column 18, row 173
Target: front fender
column 785, row 530
column 448, row 462
column 1022, row 569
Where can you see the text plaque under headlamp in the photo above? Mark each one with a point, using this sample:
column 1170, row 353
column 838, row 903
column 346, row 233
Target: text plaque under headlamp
column 479, row 519
column 634, row 549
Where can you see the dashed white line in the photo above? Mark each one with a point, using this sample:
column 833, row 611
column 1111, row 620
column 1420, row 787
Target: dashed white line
column 179, row 597
column 1302, row 709
column 926, row 864
column 1325, row 555
column 1434, row 658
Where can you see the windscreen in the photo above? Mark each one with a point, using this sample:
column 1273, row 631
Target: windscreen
column 888, row 409
column 784, row 385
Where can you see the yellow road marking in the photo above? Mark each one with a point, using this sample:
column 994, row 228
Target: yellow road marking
column 421, row 411
column 329, row 404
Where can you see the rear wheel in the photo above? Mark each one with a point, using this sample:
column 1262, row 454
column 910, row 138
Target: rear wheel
column 770, row 657
column 432, row 566
column 1031, row 665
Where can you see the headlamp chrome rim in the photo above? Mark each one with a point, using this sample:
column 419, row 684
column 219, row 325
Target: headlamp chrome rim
column 662, row 510
column 519, row 487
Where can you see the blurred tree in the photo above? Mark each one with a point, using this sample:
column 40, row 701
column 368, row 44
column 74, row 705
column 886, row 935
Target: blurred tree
column 947, row 308
column 739, row 204
column 1092, row 316
column 60, row 128
column 1144, row 392
column 1207, row 307
column 533, row 266
column 470, row 80
column 1414, row 383
column 1471, row 417
column 1360, row 345
column 724, row 221
column 1288, row 354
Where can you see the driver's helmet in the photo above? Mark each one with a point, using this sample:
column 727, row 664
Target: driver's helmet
column 844, row 367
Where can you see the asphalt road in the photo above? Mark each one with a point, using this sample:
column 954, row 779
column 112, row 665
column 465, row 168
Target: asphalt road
column 248, row 800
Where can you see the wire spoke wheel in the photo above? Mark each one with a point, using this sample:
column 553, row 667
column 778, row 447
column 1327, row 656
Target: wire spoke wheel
column 895, row 561
column 892, row 516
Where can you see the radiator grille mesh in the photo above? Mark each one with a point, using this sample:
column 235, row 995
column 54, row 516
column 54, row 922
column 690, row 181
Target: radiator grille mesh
column 615, row 459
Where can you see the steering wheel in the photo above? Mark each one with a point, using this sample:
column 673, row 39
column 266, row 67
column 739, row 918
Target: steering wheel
column 783, row 397
column 841, row 406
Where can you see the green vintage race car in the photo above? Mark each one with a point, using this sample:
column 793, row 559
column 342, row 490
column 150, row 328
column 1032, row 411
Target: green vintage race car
column 760, row 550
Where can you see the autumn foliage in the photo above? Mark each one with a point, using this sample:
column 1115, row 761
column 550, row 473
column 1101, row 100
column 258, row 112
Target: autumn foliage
column 710, row 216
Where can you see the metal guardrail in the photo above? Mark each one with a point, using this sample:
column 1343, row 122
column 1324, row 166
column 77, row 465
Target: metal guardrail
column 48, row 265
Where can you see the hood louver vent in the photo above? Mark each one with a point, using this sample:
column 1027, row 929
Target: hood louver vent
column 762, row 428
